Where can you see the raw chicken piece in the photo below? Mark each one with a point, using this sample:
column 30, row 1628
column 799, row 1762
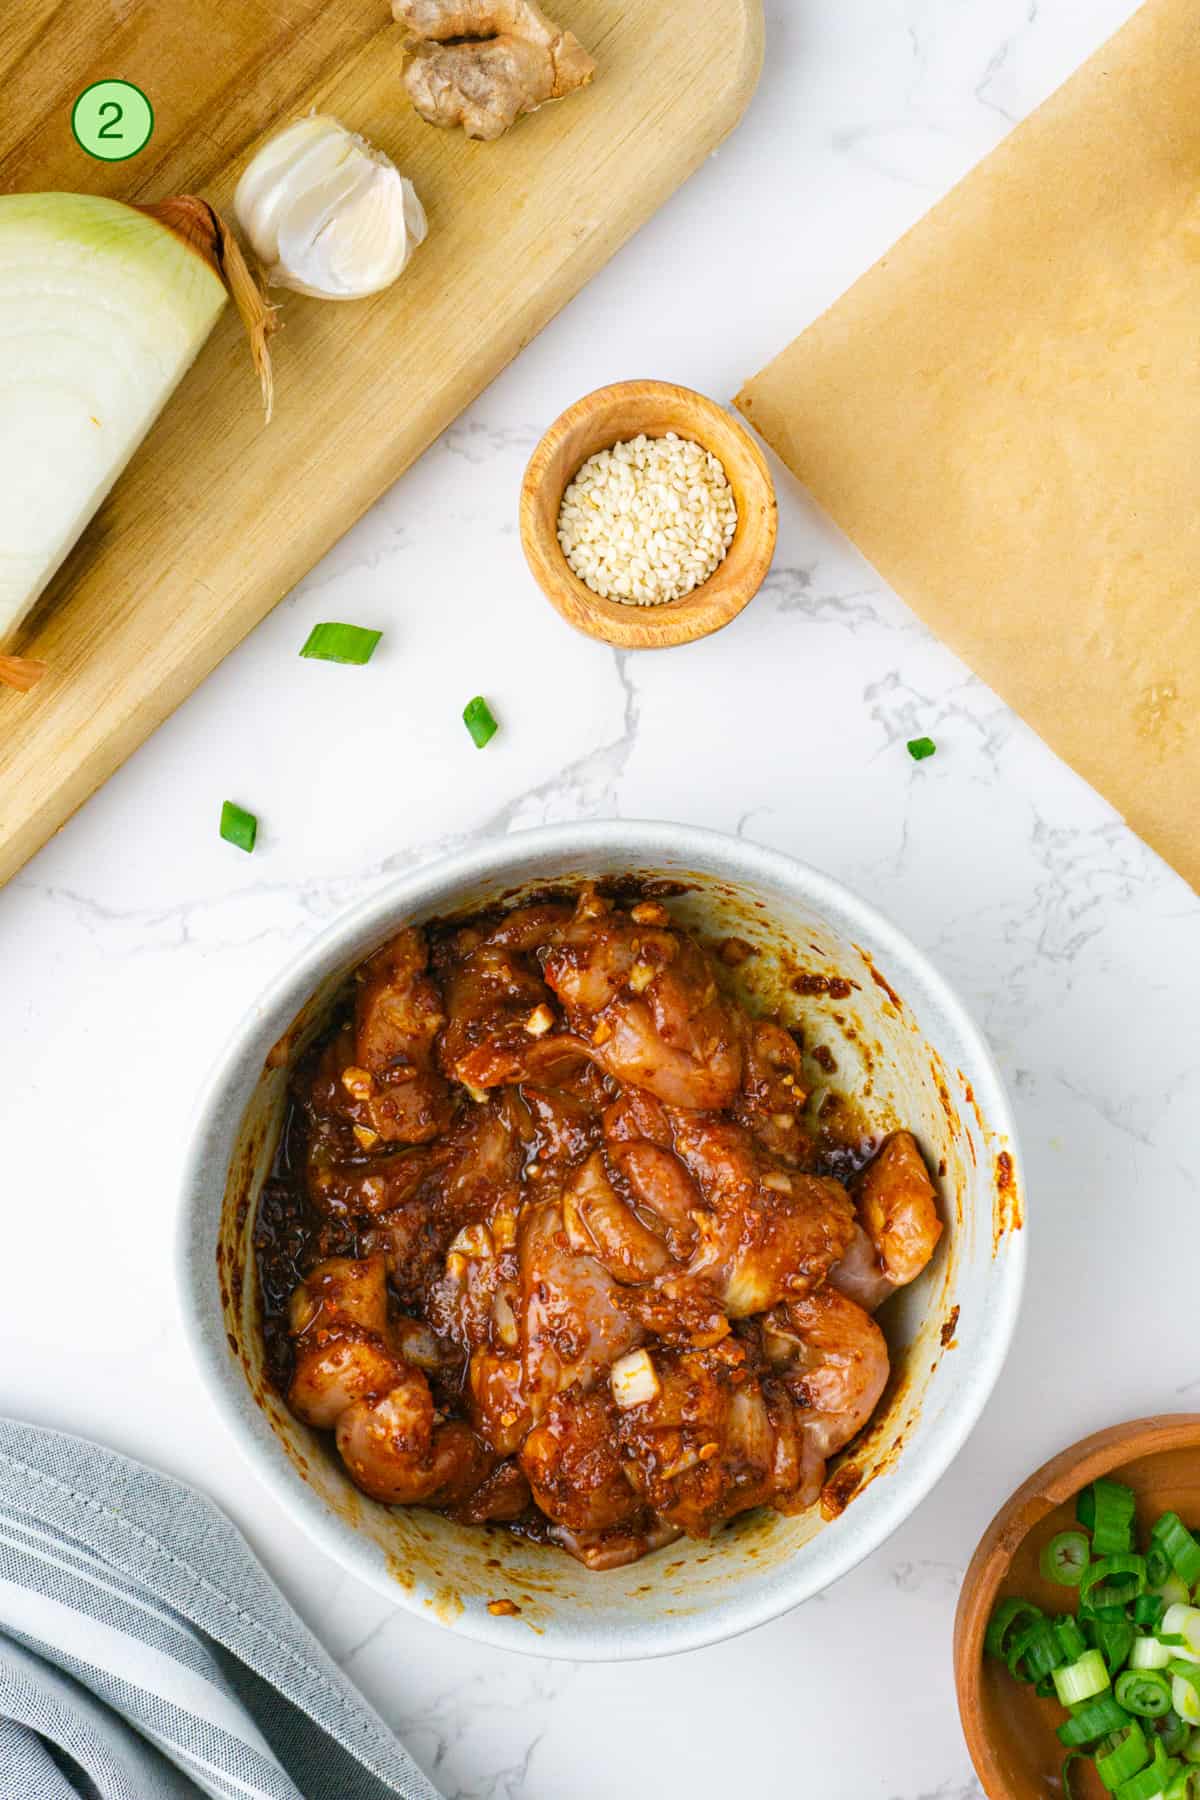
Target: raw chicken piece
column 572, row 1318
column 502, row 1025
column 767, row 1231
column 646, row 1000
column 773, row 1096
column 397, row 1017
column 660, row 1189
column 898, row 1207
column 565, row 1128
column 573, row 1465
column 602, row 1225
column 712, row 1442
column 349, row 1374
column 860, row 1275
column 833, row 1360
column 396, row 1451
column 338, row 1319
column 499, row 1411
column 617, row 1547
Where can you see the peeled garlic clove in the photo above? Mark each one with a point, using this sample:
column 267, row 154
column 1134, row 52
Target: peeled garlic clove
column 327, row 214
column 304, row 153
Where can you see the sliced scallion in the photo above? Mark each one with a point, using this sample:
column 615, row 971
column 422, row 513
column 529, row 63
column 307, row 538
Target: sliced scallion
column 1071, row 1641
column 1148, row 1653
column 920, row 748
column 1065, row 1558
column 1092, row 1721
column 1081, row 1680
column 1181, row 1547
column 1158, row 1565
column 1034, row 1652
column 1185, row 1691
column 341, row 643
column 1172, row 1733
column 238, row 826
column 1121, row 1756
column 1143, row 1692
column 1010, row 1618
column 1182, row 1622
column 1112, row 1533
column 1113, row 1641
column 1113, row 1580
column 479, row 721
column 1148, row 1785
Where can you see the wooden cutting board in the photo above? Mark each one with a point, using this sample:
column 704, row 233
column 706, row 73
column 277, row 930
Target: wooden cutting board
column 218, row 516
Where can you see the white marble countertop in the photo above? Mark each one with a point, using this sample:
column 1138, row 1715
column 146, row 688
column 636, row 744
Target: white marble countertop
column 133, row 943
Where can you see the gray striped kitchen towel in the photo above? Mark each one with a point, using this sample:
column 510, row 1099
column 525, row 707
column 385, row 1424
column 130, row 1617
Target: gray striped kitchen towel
column 145, row 1653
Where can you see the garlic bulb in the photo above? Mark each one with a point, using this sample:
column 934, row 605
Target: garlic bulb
column 327, row 214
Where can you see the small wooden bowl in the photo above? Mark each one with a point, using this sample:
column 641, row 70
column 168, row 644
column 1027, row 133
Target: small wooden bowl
column 1010, row 1732
column 610, row 416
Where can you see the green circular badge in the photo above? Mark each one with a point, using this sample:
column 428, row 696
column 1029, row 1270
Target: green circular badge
column 112, row 120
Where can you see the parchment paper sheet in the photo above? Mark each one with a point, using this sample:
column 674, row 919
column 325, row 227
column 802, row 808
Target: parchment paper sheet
column 1004, row 415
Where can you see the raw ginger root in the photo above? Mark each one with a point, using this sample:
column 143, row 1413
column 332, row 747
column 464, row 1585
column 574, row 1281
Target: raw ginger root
column 482, row 63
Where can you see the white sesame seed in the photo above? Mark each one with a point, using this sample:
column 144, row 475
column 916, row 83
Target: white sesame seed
column 648, row 520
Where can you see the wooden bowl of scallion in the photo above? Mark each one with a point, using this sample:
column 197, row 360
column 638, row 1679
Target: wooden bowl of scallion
column 1077, row 1639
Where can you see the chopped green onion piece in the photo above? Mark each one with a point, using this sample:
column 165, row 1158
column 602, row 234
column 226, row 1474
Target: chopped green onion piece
column 1112, row 1533
column 1185, row 1691
column 1071, row 1641
column 1189, row 1749
column 1184, row 1785
column 1126, row 1754
column 238, row 826
column 1181, row 1547
column 1181, row 1624
column 1085, row 1507
column 1081, row 1680
column 1148, row 1653
column 1010, row 1618
column 1171, row 1732
column 341, row 643
column 1148, row 1609
column 1158, row 1565
column 1034, row 1652
column 1113, row 1641
column 1113, row 1581
column 1173, row 1592
column 1148, row 1785
column 1144, row 1692
column 1092, row 1721
column 920, row 748
column 1065, row 1558
column 477, row 717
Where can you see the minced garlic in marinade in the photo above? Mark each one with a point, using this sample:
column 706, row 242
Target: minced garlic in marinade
column 648, row 520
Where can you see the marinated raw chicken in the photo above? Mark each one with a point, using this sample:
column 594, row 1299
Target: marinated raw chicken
column 552, row 1241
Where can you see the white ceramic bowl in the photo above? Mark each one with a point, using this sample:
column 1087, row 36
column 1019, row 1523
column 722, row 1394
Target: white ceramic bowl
column 898, row 1036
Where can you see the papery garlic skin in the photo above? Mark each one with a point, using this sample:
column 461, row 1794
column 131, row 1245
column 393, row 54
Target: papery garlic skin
column 326, row 213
